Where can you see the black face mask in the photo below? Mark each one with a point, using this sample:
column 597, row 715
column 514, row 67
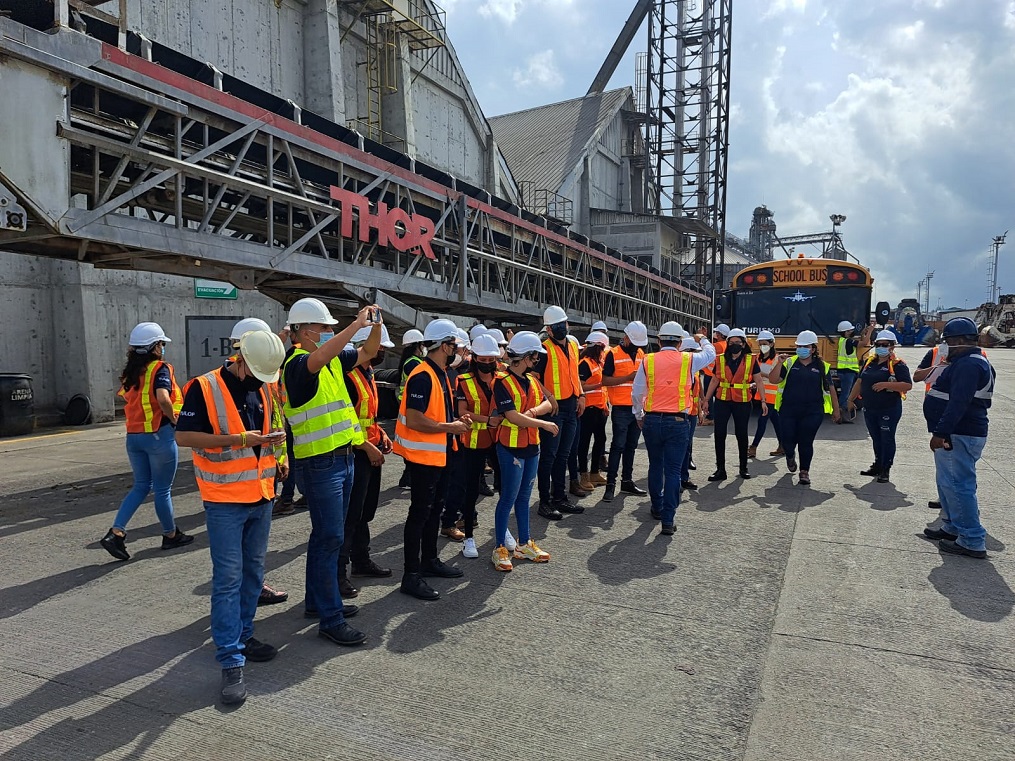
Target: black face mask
column 559, row 331
column 377, row 360
column 734, row 349
column 484, row 367
column 251, row 383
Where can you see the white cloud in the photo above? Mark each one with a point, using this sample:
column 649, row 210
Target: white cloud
column 540, row 71
column 506, row 10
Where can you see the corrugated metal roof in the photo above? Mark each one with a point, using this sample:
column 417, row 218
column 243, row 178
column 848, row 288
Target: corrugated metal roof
column 544, row 144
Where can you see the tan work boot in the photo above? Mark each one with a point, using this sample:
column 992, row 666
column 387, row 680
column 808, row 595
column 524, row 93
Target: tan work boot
column 585, row 483
column 577, row 490
column 778, row 452
column 597, row 479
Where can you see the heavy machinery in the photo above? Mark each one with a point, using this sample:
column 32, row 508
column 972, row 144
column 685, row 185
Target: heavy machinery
column 997, row 322
column 909, row 326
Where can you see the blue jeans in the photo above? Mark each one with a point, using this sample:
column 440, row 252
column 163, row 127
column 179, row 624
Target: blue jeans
column 295, row 479
column 685, row 471
column 516, row 477
column 626, row 435
column 846, row 380
column 666, row 441
column 554, row 451
column 763, row 420
column 881, row 425
column 238, row 540
column 956, row 488
column 153, row 458
column 328, row 480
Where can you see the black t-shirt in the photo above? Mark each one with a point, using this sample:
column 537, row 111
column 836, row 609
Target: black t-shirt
column 927, row 360
column 608, row 368
column 163, row 380
column 540, row 368
column 505, row 403
column 368, row 373
column 804, row 388
column 418, row 389
column 301, row 384
column 877, row 372
column 584, row 372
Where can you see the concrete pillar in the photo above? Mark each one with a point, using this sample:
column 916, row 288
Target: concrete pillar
column 322, row 60
column 396, row 105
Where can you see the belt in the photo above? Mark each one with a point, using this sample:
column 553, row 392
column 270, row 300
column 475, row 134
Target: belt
column 347, row 449
column 677, row 415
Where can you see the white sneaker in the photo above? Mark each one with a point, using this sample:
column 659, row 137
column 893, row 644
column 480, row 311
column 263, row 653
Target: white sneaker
column 509, row 542
column 469, row 548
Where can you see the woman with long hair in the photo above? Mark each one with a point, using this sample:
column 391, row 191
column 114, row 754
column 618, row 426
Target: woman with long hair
column 153, row 402
column 593, row 420
column 767, row 392
column 413, row 352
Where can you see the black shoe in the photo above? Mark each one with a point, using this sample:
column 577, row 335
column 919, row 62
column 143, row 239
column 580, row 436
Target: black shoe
column 932, row 504
column 744, row 473
column 371, row 570
column 691, row 465
column 791, row 463
column 485, row 489
column 656, row 514
column 548, row 511
column 936, row 535
column 610, row 493
column 689, row 485
column 282, row 508
column 566, row 506
column 440, row 569
column 873, row 470
column 884, row 476
column 270, row 596
column 234, row 689
column 954, row 548
column 348, row 611
column 301, row 503
column 346, row 589
column 179, row 539
column 668, row 529
column 115, row 545
column 629, row 487
column 257, row 651
column 404, row 482
column 343, row 634
column 414, row 586
column 719, row 475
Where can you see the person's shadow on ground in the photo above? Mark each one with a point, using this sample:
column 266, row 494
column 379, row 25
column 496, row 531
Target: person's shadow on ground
column 638, row 556
column 973, row 587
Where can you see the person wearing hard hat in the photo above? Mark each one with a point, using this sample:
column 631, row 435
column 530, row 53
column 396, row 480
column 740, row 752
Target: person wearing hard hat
column 477, row 330
column 693, row 345
column 557, row 368
column 413, row 352
column 148, row 385
column 719, row 335
column 662, row 396
column 883, row 382
column 766, row 392
column 804, row 397
column 955, row 409
column 424, row 435
column 619, row 370
column 593, row 420
column 519, row 400
column 847, row 366
column 730, row 387
column 287, row 503
column 227, row 419
column 326, row 435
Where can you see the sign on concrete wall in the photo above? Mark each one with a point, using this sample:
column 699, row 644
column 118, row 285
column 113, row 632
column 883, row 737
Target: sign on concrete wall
column 213, row 289
column 208, row 344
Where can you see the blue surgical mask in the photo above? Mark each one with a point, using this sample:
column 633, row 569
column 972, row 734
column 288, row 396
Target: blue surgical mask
column 803, row 352
column 882, row 351
column 324, row 338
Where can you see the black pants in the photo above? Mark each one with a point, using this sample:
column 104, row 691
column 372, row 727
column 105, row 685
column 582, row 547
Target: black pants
column 721, row 413
column 626, row 435
column 469, row 474
column 593, row 431
column 799, row 429
column 455, row 495
column 366, row 491
column 422, row 525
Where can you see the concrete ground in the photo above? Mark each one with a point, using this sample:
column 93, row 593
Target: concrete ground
column 781, row 622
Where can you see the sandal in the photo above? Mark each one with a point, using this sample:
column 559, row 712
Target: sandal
column 805, row 478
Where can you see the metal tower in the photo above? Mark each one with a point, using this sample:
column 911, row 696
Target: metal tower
column 995, row 247
column 688, row 98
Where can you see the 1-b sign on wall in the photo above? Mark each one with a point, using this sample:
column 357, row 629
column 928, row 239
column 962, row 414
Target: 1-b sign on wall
column 208, row 344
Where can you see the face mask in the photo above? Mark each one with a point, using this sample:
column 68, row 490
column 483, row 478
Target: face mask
column 734, row 349
column 559, row 331
column 250, row 383
column 456, row 360
column 765, row 348
column 379, row 359
column 324, row 338
column 164, row 350
column 485, row 367
column 942, row 351
column 882, row 351
column 803, row 352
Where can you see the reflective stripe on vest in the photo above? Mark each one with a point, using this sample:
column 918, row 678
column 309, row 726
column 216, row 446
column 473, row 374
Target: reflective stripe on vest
column 480, row 437
column 232, row 474
column 771, row 389
column 825, row 393
column 406, row 371
column 720, row 349
column 986, row 393
column 366, row 407
column 328, row 421
column 847, row 361
column 596, row 397
column 416, row 446
column 509, row 434
column 873, row 360
column 620, row 395
column 557, row 364
column 668, row 378
column 142, row 410
column 738, row 387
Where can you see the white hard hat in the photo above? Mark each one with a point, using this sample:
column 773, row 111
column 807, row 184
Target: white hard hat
column 806, row 338
column 596, row 337
column 722, row 329
column 637, row 332
column 766, row 335
column 412, row 336
column 485, row 345
column 145, row 334
column 310, row 310
column 476, row 330
column 246, row 324
column 440, row 330
column 689, row 344
column 463, row 339
column 886, row 335
column 737, row 333
column 498, row 336
column 845, row 325
column 361, row 336
column 264, row 353
column 525, row 342
column 599, row 325
column 553, row 315
column 573, row 339
column 670, row 331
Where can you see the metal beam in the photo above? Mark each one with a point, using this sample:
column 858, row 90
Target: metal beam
column 620, row 47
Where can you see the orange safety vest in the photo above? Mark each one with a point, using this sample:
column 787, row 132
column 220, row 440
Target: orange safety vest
column 232, row 474
column 738, row 387
column 695, row 395
column 143, row 413
column 597, row 397
column 620, row 396
column 416, row 446
column 508, row 434
column 668, row 378
column 561, row 373
column 366, row 404
column 933, row 361
column 771, row 389
column 720, row 348
column 478, row 403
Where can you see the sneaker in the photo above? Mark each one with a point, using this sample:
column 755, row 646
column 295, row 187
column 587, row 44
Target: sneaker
column 501, row 559
column 257, row 651
column 548, row 511
column 346, row 589
column 370, row 569
column 531, row 552
column 469, row 548
column 509, row 542
column 343, row 634
column 453, row 533
column 115, row 545
column 179, row 539
column 415, row 586
column 271, row 596
column 234, row 689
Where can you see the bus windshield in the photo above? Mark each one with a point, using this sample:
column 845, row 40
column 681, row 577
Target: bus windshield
column 787, row 311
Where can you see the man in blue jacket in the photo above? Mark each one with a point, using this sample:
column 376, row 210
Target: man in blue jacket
column 956, row 412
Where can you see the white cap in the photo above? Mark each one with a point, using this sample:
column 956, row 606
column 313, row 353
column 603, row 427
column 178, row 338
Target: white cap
column 246, row 324
column 363, row 334
column 766, row 335
column 637, row 332
column 595, row 337
column 886, row 335
column 553, row 315
column 412, row 336
column 737, row 333
column 722, row 329
column 689, row 344
column 670, row 331
column 476, row 330
column 845, row 325
column 806, row 338
column 145, row 334
column 498, row 336
column 440, row 330
column 263, row 352
column 310, row 310
column 525, row 342
column 599, row 325
column 485, row 345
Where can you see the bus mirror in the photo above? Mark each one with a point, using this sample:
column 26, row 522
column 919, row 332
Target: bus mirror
column 883, row 311
column 723, row 305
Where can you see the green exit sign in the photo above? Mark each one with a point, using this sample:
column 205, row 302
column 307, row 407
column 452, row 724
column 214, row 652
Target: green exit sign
column 213, row 289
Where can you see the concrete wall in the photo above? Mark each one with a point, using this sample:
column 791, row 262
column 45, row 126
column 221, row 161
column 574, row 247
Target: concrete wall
column 67, row 324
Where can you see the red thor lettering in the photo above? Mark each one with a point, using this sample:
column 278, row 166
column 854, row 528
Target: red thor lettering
column 395, row 227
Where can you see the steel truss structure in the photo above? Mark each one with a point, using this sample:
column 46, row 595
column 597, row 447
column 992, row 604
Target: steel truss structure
column 168, row 174
column 687, row 99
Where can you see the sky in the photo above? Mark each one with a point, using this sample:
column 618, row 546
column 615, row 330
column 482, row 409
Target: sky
column 899, row 114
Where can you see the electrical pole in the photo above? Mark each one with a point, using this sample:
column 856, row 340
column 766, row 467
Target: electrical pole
column 927, row 291
column 995, row 297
